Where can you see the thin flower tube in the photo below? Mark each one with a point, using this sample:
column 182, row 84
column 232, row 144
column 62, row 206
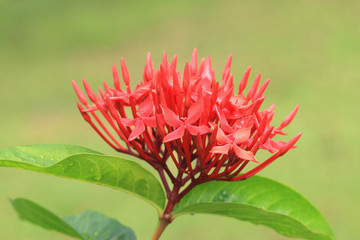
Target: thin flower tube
column 187, row 119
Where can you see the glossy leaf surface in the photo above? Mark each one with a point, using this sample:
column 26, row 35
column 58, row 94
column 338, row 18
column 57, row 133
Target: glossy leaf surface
column 86, row 165
column 261, row 201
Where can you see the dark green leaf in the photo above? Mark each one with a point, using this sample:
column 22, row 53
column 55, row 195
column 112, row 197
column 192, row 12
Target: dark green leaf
column 89, row 225
column 97, row 226
column 86, row 165
column 261, row 201
column 38, row 215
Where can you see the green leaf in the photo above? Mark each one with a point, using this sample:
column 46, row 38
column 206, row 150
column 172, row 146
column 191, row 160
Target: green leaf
column 261, row 201
column 38, row 215
column 84, row 164
column 89, row 225
column 97, row 226
column 42, row 155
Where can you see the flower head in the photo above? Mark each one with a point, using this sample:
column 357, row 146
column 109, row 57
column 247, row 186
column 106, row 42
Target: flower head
column 188, row 118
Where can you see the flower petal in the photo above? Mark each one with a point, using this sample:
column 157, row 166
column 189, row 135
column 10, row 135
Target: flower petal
column 171, row 118
column 244, row 154
column 194, row 112
column 241, row 135
column 139, row 129
column 150, row 121
column 223, row 122
column 176, row 134
column 195, row 130
column 221, row 149
column 221, row 137
column 146, row 108
column 128, row 122
column 277, row 144
column 121, row 97
column 141, row 91
column 268, row 146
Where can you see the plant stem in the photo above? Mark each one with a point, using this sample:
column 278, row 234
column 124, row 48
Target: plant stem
column 163, row 179
column 166, row 218
column 160, row 228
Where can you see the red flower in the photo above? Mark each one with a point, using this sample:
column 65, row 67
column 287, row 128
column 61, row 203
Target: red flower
column 231, row 142
column 144, row 116
column 194, row 114
column 203, row 127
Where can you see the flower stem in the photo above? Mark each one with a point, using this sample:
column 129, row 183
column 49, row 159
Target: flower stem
column 166, row 218
column 160, row 228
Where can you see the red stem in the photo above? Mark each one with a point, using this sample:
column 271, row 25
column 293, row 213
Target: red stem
column 163, row 179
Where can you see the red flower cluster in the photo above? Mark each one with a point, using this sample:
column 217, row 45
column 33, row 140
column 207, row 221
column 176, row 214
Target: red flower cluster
column 203, row 127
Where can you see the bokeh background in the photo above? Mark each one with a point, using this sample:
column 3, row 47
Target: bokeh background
column 310, row 50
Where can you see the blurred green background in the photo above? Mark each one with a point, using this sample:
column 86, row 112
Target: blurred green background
column 310, row 50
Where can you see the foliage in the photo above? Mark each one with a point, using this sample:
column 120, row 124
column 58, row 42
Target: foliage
column 258, row 200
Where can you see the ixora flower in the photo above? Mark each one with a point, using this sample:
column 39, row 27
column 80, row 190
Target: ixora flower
column 188, row 120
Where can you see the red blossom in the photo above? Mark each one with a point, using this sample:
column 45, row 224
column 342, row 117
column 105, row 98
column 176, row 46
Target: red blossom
column 186, row 123
column 201, row 125
column 144, row 117
column 231, row 142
